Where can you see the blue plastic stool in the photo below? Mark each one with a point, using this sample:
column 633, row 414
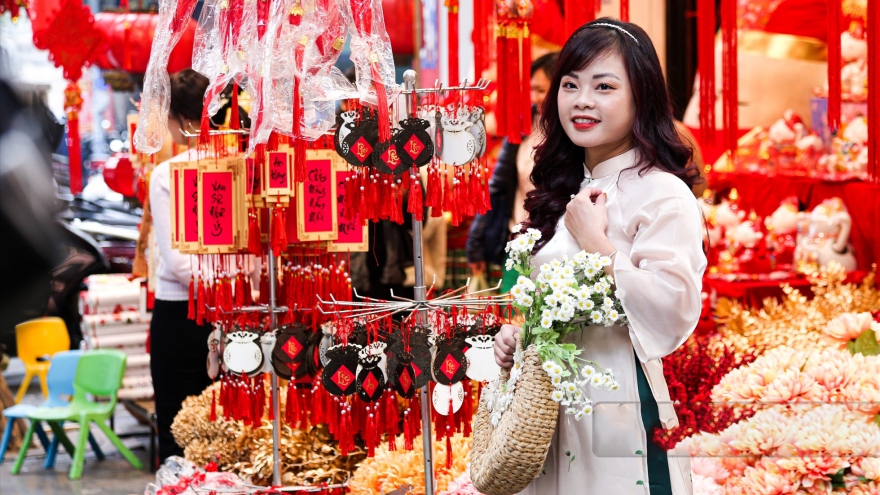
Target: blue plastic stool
column 60, row 383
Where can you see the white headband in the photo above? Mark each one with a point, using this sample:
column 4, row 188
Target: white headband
column 615, row 26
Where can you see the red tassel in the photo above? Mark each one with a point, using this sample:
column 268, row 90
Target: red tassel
column 213, row 416
column 730, row 75
column 467, row 410
column 872, row 25
column 706, row 67
column 449, row 452
column 299, row 160
column 624, row 10
column 408, row 433
column 200, row 303
column 191, row 306
column 279, row 231
column 234, row 119
column 291, row 408
column 415, row 206
column 833, row 50
column 205, row 129
column 452, row 29
column 264, row 287
column 255, row 243
column 501, row 107
column 392, row 419
column 514, row 134
column 525, row 84
column 346, row 432
column 370, row 434
column 382, row 103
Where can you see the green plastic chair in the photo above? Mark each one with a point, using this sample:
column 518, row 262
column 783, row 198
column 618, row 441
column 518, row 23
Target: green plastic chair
column 98, row 374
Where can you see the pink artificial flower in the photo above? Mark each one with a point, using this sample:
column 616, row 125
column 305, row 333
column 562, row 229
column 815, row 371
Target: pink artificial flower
column 867, row 467
column 710, row 468
column 794, row 386
column 767, row 478
column 813, row 468
column 833, row 369
column 848, row 326
column 870, row 488
column 704, row 485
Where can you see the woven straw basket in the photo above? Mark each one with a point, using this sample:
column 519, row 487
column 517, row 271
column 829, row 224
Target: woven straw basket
column 506, row 459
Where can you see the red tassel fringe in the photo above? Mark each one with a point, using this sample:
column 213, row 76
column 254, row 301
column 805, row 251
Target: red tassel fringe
column 706, row 66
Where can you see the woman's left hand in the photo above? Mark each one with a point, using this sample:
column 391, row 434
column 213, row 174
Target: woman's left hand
column 587, row 221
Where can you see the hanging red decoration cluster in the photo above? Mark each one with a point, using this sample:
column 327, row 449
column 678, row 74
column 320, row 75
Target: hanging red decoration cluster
column 730, row 76
column 834, row 61
column 706, row 21
column 513, row 112
column 872, row 26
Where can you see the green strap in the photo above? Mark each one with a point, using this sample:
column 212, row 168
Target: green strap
column 658, row 463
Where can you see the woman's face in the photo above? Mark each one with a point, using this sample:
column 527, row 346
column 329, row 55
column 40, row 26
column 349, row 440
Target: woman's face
column 596, row 105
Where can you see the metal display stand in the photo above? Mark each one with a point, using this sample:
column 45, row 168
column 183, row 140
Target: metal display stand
column 420, row 305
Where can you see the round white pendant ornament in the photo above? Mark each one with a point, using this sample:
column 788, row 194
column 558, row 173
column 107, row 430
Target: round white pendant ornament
column 243, row 354
column 481, row 358
column 442, row 395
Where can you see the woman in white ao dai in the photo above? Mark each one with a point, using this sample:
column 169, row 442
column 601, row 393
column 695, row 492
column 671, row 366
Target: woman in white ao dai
column 613, row 177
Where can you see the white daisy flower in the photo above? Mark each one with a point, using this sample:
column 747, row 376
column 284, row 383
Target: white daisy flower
column 517, row 228
column 556, row 380
column 569, row 387
column 570, row 410
column 596, row 317
column 546, row 322
column 535, row 234
column 605, row 261
column 525, row 300
column 547, row 366
column 612, row 315
column 597, row 380
column 556, row 371
column 508, row 265
column 557, row 395
column 614, row 386
column 588, row 409
column 577, row 416
column 589, row 271
column 587, row 371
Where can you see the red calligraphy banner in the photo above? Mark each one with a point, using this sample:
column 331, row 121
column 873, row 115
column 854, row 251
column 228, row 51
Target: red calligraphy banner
column 217, row 209
column 190, row 205
column 316, row 202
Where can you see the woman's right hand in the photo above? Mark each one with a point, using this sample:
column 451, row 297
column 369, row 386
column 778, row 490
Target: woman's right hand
column 505, row 345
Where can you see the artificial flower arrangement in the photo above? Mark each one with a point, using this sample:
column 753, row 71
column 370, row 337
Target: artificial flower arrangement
column 564, row 296
column 815, row 426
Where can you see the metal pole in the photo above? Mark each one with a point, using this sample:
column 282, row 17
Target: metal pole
column 409, row 81
column 276, row 426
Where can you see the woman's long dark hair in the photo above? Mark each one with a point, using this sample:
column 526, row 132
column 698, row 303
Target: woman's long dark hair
column 559, row 163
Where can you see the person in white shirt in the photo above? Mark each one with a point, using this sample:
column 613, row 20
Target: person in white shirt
column 613, row 176
column 178, row 346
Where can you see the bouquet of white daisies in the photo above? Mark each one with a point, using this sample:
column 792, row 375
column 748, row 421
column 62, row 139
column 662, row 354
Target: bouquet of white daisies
column 567, row 295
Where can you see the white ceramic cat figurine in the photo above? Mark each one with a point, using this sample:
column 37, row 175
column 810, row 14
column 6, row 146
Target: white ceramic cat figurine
column 826, row 238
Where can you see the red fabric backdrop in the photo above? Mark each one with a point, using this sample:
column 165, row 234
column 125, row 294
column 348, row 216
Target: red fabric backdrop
column 763, row 194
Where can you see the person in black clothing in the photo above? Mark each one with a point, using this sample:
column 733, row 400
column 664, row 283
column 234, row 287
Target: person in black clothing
column 508, row 186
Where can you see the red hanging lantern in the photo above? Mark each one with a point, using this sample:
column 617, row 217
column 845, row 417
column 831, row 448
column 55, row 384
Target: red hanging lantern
column 130, row 39
column 67, row 31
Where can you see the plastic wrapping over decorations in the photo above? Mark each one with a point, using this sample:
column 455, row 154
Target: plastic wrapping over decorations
column 322, row 82
column 156, row 96
column 372, row 56
column 271, row 73
column 180, row 476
